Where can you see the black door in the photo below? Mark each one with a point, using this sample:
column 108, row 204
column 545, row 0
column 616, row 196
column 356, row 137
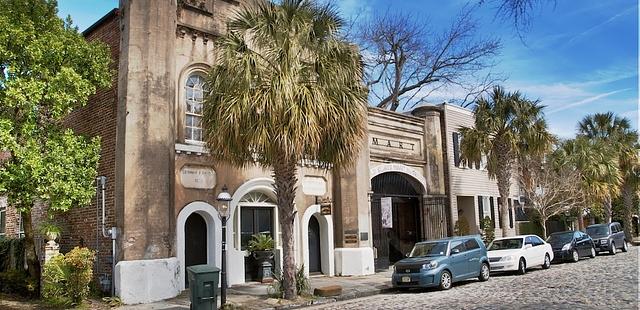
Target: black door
column 254, row 220
column 379, row 235
column 195, row 239
column 315, row 264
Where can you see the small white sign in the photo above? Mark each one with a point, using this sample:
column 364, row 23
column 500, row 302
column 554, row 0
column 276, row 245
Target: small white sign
column 386, row 211
column 314, row 186
column 198, row 177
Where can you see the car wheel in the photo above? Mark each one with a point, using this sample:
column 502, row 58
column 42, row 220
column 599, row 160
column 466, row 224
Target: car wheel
column 445, row 280
column 593, row 253
column 625, row 246
column 574, row 256
column 484, row 272
column 612, row 249
column 547, row 262
column 522, row 266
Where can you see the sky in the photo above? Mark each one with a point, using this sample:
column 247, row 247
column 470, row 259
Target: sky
column 576, row 57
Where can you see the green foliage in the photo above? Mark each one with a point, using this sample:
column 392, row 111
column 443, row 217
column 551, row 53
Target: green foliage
column 18, row 282
column 260, row 242
column 66, row 278
column 461, row 228
column 113, row 302
column 303, row 287
column 11, row 254
column 488, row 231
column 530, row 228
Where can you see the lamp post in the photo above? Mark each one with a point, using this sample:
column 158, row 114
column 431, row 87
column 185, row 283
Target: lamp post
column 223, row 209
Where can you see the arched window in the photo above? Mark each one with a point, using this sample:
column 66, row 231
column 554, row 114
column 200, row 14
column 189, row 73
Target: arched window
column 194, row 90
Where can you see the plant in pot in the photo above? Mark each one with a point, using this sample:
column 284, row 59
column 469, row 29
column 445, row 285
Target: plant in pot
column 51, row 231
column 261, row 247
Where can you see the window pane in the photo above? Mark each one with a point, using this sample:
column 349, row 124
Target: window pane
column 246, row 226
column 197, row 134
column 459, row 245
column 264, row 221
column 188, row 133
column 190, row 120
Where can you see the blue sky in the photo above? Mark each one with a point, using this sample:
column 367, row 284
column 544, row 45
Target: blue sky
column 578, row 58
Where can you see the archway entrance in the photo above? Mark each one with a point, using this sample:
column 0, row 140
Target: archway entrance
column 396, row 216
column 195, row 235
column 315, row 259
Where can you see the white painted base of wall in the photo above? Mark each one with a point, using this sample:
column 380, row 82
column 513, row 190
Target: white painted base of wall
column 144, row 281
column 354, row 261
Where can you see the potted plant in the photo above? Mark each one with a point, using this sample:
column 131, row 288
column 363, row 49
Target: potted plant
column 261, row 246
column 50, row 230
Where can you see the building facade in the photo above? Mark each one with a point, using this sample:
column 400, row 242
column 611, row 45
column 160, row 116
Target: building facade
column 161, row 187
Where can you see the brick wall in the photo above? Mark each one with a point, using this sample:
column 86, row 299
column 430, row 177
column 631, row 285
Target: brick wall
column 82, row 225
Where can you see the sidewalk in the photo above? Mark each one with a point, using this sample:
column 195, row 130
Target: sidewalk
column 254, row 295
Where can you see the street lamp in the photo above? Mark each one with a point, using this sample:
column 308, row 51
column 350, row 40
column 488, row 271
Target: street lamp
column 223, row 209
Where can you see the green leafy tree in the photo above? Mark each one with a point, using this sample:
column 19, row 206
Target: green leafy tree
column 623, row 142
column 285, row 87
column 48, row 69
column 507, row 127
column 598, row 170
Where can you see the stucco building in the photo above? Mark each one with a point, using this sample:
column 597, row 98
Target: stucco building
column 162, row 183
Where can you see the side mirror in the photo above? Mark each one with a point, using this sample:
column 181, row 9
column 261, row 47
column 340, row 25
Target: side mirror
column 407, row 254
column 528, row 246
column 455, row 251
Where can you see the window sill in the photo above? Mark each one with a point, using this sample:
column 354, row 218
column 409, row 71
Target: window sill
column 197, row 149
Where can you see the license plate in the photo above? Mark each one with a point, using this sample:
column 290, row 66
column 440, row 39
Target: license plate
column 406, row 279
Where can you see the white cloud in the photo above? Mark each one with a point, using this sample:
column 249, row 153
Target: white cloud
column 586, row 100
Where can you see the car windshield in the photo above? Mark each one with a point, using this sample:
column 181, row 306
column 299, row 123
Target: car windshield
column 506, row 244
column 561, row 237
column 598, row 230
column 429, row 249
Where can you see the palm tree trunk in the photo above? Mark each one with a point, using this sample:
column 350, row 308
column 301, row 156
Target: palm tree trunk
column 503, row 176
column 607, row 207
column 33, row 264
column 627, row 205
column 285, row 186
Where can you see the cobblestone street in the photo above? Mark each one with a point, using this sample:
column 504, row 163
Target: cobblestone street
column 605, row 282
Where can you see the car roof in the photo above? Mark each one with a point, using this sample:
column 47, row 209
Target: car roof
column 454, row 238
column 598, row 225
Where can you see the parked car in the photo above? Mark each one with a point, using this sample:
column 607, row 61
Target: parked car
column 571, row 245
column 519, row 253
column 608, row 237
column 442, row 262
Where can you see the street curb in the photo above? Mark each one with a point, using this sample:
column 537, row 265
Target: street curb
column 328, row 300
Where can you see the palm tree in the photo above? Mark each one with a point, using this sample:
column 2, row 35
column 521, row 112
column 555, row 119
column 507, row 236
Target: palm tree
column 285, row 87
column 616, row 132
column 507, row 126
column 599, row 173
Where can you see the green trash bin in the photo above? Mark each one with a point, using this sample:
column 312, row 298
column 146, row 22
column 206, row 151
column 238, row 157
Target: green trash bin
column 203, row 286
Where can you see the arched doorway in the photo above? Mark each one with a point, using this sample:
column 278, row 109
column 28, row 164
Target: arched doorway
column 195, row 237
column 396, row 216
column 315, row 258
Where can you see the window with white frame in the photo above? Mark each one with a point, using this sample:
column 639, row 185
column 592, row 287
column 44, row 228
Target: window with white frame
column 194, row 99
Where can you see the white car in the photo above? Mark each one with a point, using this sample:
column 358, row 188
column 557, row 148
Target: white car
column 519, row 253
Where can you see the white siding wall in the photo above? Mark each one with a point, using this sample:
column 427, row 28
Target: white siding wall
column 468, row 181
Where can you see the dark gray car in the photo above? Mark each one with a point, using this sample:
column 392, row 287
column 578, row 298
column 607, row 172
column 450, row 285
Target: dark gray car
column 608, row 237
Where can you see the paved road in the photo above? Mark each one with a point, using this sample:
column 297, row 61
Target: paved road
column 605, row 282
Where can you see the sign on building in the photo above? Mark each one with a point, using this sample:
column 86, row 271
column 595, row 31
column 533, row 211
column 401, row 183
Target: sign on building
column 387, row 212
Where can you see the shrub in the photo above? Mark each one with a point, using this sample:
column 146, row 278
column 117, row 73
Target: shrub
column 66, row 278
column 11, row 254
column 18, row 282
column 488, row 232
column 302, row 284
column 461, row 228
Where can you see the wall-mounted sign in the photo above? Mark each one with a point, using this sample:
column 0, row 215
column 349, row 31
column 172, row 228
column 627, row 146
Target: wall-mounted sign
column 325, row 206
column 387, row 212
column 198, row 177
column 403, row 145
column 314, row 186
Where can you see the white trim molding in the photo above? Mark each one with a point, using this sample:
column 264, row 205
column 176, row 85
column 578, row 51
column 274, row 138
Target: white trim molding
column 214, row 228
column 326, row 240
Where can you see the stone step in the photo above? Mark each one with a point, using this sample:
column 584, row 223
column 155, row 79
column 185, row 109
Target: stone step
column 326, row 291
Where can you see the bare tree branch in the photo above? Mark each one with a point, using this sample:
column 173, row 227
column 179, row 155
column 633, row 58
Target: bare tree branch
column 409, row 62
